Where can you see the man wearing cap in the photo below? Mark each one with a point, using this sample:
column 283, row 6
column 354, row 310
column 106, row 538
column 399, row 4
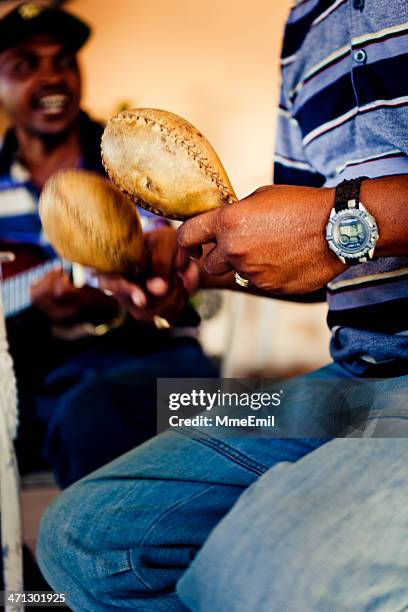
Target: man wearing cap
column 85, row 397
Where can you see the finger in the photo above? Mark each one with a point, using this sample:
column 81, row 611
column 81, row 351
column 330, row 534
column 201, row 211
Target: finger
column 111, row 282
column 140, row 314
column 115, row 283
column 199, row 230
column 190, row 278
column 123, row 289
column 216, row 264
column 258, row 190
column 138, row 297
column 157, row 286
column 182, row 259
column 195, row 253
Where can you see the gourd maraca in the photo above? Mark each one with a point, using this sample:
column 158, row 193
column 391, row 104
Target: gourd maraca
column 160, row 161
column 90, row 222
column 164, row 164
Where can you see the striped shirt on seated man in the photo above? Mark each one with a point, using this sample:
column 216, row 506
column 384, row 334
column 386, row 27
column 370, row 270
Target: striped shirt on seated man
column 343, row 113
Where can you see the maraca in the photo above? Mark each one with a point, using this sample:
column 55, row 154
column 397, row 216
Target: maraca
column 164, row 164
column 90, row 222
column 160, row 161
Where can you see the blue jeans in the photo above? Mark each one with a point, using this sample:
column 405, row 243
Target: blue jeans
column 192, row 521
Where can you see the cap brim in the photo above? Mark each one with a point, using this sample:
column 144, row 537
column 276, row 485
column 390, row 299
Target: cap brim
column 70, row 30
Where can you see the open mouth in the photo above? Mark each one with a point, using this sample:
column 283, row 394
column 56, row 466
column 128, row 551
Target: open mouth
column 52, row 104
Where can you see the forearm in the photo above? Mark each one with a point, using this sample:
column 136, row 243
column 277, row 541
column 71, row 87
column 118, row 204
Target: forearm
column 385, row 198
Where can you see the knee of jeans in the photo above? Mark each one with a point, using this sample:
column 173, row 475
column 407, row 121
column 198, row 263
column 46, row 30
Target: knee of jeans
column 58, row 550
column 74, row 551
column 87, row 547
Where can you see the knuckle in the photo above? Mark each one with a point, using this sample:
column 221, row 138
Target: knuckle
column 233, row 248
column 226, row 219
column 182, row 236
column 262, row 189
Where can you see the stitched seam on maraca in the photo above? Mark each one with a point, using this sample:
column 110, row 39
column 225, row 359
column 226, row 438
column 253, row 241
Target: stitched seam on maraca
column 200, row 160
column 138, row 201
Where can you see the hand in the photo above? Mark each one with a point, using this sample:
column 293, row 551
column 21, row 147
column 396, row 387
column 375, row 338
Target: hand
column 64, row 304
column 171, row 278
column 275, row 238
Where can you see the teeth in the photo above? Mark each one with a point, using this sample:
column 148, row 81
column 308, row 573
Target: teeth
column 54, row 103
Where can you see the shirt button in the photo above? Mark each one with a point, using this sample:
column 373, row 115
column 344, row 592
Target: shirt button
column 360, row 56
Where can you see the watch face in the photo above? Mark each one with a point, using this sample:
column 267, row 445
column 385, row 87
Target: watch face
column 351, row 233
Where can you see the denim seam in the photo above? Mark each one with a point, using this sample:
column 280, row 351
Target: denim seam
column 157, row 519
column 226, row 450
column 337, row 412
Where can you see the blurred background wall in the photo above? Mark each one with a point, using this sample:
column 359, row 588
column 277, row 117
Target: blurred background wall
column 215, row 63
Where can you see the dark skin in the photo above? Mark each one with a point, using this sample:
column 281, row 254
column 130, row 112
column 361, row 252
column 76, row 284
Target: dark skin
column 276, row 238
column 174, row 277
column 283, row 250
column 30, row 73
column 40, row 87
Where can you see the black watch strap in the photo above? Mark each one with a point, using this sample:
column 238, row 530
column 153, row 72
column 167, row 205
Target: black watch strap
column 348, row 190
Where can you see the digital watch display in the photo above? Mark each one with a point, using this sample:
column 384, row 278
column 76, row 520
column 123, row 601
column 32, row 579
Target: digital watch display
column 351, row 231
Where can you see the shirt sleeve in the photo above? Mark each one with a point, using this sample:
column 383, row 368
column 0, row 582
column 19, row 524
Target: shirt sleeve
column 290, row 164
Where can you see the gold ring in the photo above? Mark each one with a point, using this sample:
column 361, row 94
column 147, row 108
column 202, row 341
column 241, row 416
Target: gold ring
column 240, row 280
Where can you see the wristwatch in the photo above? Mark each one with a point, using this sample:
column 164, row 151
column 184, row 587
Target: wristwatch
column 351, row 231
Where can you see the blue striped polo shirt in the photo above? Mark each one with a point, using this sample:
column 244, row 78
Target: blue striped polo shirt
column 343, row 113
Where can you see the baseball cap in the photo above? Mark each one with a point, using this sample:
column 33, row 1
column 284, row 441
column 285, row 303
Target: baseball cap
column 33, row 18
